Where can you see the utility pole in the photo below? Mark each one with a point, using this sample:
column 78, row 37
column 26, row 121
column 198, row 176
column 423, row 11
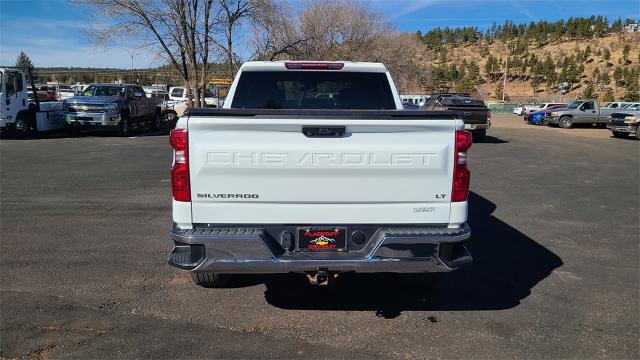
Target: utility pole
column 132, row 68
column 504, row 78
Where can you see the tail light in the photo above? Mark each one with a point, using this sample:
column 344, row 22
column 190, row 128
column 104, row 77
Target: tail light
column 180, row 184
column 461, row 174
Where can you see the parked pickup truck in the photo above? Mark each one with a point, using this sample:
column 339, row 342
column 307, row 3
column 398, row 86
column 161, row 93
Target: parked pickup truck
column 625, row 122
column 580, row 112
column 475, row 114
column 113, row 106
column 281, row 180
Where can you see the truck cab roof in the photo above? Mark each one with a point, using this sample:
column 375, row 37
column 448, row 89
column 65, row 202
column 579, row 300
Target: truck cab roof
column 352, row 66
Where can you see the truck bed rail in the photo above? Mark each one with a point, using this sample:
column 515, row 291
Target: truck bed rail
column 324, row 113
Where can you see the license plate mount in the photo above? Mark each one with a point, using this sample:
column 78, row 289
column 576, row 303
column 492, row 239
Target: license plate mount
column 314, row 239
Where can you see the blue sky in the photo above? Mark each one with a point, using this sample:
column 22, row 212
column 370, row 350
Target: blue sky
column 53, row 33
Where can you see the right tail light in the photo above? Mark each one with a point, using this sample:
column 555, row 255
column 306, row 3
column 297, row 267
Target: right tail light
column 461, row 174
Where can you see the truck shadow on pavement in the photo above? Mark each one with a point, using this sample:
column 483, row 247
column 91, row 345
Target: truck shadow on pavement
column 507, row 266
column 493, row 140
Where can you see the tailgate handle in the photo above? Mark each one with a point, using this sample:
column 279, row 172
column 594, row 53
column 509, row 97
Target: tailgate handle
column 323, row 131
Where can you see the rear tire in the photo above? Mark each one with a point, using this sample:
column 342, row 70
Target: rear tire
column 156, row 122
column 209, row 279
column 565, row 122
column 124, row 128
column 22, row 127
column 620, row 135
column 637, row 134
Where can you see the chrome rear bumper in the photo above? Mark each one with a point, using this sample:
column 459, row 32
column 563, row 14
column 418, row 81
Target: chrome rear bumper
column 253, row 250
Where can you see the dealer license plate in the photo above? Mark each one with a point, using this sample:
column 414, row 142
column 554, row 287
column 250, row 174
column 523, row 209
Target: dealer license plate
column 322, row 239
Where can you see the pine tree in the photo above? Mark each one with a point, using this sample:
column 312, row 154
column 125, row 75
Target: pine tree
column 535, row 83
column 625, row 52
column 464, row 85
column 606, row 54
column 618, row 75
column 24, row 63
column 473, row 72
column 633, row 93
column 589, row 92
column 443, row 56
column 499, row 91
column 608, row 96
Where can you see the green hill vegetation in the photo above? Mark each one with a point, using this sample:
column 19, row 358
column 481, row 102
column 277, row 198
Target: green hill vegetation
column 594, row 59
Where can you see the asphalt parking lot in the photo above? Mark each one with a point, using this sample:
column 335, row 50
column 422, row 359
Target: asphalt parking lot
column 554, row 215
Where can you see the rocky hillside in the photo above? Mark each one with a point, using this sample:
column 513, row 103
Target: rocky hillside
column 606, row 66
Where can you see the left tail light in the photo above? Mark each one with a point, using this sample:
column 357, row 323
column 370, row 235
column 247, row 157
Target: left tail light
column 180, row 182
column 461, row 174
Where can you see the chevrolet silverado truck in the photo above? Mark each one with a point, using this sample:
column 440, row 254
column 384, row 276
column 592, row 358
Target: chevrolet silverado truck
column 580, row 112
column 473, row 112
column 282, row 180
column 118, row 107
column 625, row 122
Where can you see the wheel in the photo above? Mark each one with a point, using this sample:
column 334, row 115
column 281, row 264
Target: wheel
column 156, row 122
column 637, row 134
column 22, row 126
column 124, row 128
column 479, row 136
column 565, row 122
column 618, row 134
column 210, row 280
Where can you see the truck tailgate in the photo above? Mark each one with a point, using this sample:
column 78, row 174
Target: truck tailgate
column 261, row 169
column 471, row 114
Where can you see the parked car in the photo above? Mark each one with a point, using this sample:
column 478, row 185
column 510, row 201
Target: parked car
column 538, row 117
column 625, row 122
column 65, row 92
column 616, row 105
column 48, row 91
column 113, row 106
column 524, row 108
column 78, row 88
column 543, row 107
column 584, row 111
column 318, row 208
column 410, row 106
column 179, row 93
column 475, row 114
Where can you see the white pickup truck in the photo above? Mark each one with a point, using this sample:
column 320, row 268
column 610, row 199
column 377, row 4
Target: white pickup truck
column 315, row 168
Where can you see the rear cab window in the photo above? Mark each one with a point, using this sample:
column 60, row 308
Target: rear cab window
column 177, row 92
column 313, row 90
